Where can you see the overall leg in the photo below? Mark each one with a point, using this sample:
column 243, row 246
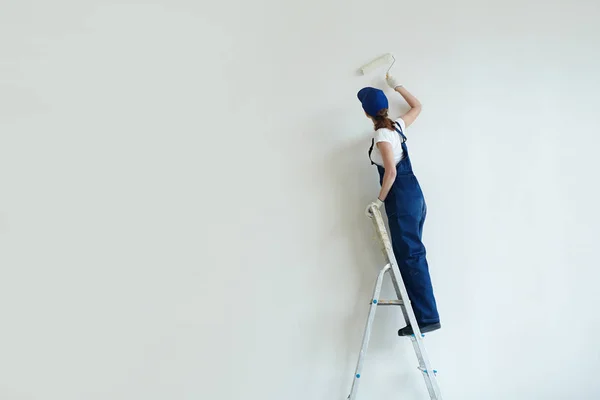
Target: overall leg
column 405, row 231
column 405, row 208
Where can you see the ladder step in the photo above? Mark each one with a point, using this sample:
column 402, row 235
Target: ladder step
column 388, row 302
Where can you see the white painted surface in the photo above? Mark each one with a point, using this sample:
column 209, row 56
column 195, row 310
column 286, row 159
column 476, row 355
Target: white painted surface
column 183, row 187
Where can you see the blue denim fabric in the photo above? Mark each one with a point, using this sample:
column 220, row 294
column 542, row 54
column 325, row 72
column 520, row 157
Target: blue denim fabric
column 406, row 210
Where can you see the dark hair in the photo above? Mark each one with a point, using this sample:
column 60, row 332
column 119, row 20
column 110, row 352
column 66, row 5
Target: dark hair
column 381, row 120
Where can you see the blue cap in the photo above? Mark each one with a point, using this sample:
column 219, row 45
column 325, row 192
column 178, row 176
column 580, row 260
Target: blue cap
column 373, row 100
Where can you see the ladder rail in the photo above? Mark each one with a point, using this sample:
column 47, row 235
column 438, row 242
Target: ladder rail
column 367, row 333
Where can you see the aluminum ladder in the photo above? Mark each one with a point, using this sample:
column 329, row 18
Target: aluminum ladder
column 404, row 302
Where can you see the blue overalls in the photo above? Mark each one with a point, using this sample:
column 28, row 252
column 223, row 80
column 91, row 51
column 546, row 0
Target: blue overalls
column 406, row 209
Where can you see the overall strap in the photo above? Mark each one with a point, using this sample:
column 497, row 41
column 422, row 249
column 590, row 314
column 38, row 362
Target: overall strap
column 371, row 150
column 399, row 130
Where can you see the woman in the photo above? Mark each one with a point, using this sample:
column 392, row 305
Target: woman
column 404, row 202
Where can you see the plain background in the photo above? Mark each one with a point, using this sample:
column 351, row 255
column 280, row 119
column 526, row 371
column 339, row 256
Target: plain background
column 183, row 186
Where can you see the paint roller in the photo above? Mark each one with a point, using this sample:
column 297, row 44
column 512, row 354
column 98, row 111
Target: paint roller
column 387, row 58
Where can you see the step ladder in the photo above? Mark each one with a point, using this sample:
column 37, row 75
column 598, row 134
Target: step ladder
column 403, row 302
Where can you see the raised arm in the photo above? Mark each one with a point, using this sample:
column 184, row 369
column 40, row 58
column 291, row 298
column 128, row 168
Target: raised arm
column 415, row 105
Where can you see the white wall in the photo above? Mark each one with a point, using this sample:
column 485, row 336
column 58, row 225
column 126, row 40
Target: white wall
column 183, row 186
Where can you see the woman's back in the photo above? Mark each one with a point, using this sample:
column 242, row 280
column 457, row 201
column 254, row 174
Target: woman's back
column 393, row 138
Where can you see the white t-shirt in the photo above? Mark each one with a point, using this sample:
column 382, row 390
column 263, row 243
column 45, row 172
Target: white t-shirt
column 392, row 137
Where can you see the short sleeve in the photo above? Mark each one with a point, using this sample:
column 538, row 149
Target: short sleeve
column 384, row 135
column 402, row 124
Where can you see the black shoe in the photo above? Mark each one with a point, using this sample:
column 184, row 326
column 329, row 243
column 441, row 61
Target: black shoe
column 408, row 330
